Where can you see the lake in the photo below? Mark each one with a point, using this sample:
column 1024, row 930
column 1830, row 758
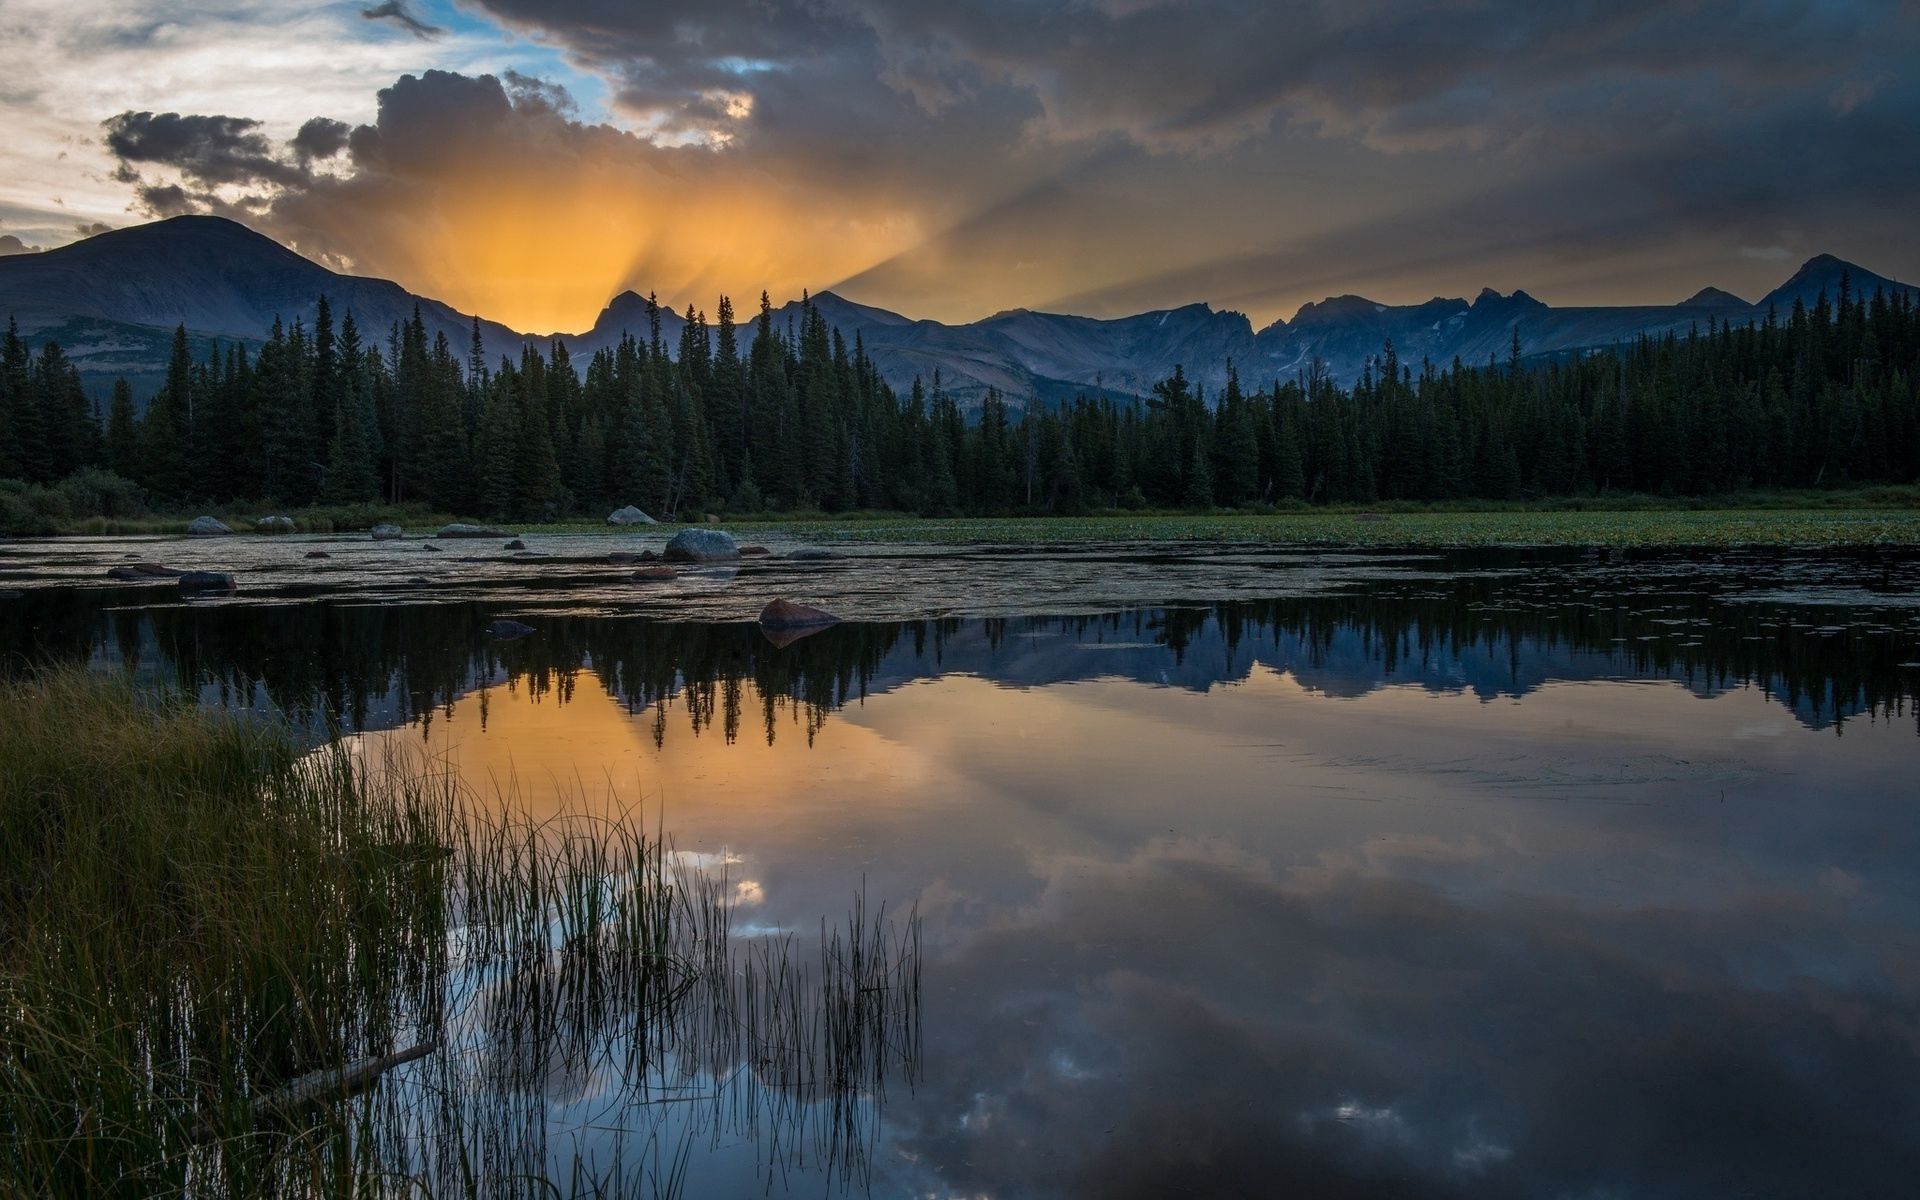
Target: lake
column 1238, row 870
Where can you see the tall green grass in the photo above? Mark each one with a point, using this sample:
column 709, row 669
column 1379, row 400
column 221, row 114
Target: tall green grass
column 228, row 967
column 190, row 914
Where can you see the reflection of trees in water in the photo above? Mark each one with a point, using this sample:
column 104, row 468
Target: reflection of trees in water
column 366, row 666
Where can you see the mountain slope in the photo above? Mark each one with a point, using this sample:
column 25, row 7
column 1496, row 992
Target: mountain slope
column 113, row 301
column 103, row 298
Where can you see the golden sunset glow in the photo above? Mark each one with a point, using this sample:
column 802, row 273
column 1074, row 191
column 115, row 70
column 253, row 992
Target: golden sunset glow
column 545, row 254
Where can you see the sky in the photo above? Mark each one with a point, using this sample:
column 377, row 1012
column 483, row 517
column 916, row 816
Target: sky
column 528, row 159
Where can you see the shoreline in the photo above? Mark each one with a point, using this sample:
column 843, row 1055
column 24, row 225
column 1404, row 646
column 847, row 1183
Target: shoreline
column 1379, row 528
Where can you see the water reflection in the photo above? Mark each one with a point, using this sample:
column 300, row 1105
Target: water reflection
column 1524, row 883
column 376, row 666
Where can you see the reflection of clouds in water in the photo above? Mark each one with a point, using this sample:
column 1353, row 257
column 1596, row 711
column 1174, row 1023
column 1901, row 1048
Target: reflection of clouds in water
column 1232, row 1029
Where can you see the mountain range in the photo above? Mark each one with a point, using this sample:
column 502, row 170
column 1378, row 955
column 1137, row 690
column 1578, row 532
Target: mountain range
column 113, row 300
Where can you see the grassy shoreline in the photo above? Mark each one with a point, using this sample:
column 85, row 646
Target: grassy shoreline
column 1869, row 517
column 230, row 966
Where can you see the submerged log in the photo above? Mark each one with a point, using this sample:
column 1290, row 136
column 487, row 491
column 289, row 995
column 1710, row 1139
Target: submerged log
column 331, row 1083
column 336, row 1082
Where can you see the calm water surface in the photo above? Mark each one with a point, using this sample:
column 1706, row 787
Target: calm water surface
column 1241, row 872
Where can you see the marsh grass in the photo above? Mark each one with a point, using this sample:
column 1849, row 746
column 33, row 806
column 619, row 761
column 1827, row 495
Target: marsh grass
column 228, row 967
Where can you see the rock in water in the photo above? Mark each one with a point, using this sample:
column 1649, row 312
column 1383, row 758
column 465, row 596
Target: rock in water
column 515, row 544
column 629, row 516
column 274, row 525
column 651, row 574
column 318, row 554
column 207, row 581
column 785, row 614
column 207, row 527
column 459, row 530
column 782, row 622
column 507, row 630
column 754, row 551
column 387, row 533
column 702, row 545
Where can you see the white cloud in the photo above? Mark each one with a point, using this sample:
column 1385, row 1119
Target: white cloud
column 71, row 64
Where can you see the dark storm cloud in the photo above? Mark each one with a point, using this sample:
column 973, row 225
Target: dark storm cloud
column 1381, row 1036
column 209, row 150
column 320, row 138
column 1720, row 106
column 1190, row 74
column 398, row 13
column 1111, row 156
column 168, row 200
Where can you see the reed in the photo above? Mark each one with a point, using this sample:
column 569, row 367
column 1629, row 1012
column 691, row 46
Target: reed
column 228, row 967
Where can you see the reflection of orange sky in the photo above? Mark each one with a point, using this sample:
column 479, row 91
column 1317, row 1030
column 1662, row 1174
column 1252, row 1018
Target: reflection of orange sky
column 959, row 794
column 958, row 760
column 591, row 752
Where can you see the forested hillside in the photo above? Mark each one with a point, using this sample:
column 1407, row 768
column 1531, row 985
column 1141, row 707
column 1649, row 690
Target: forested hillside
column 758, row 418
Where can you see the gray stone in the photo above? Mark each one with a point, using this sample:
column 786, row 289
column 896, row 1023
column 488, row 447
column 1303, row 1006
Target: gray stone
column 207, row 581
column 515, row 544
column 507, row 630
column 274, row 525
column 387, row 533
column 461, row 530
column 702, row 545
column 208, row 527
column 318, row 554
column 629, row 516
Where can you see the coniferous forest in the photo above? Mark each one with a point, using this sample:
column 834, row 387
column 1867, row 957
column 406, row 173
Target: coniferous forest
column 775, row 416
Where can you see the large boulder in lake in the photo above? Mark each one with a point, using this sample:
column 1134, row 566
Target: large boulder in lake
column 781, row 613
column 702, row 545
column 388, row 533
column 629, row 516
column 462, row 530
column 208, row 527
column 207, row 581
column 273, row 525
column 784, row 622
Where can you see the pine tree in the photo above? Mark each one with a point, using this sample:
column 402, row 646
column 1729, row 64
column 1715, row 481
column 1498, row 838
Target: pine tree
column 123, row 434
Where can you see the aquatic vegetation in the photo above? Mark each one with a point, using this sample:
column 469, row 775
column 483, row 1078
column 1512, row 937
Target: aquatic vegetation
column 229, row 967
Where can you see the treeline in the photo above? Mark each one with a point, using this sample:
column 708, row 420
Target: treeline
column 770, row 418
column 401, row 663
